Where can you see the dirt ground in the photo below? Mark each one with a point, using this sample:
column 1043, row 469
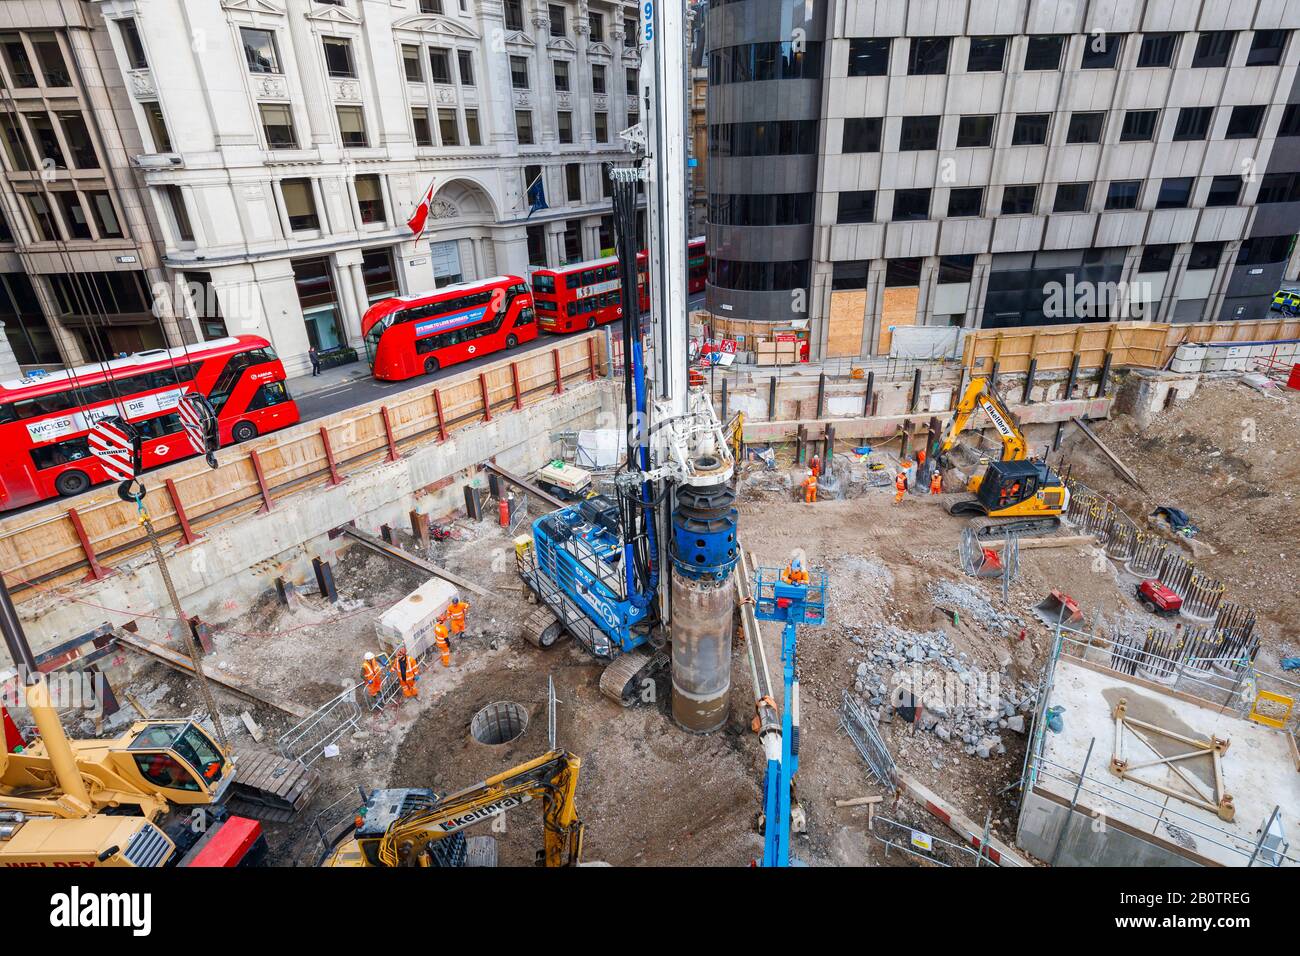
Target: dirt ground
column 652, row 795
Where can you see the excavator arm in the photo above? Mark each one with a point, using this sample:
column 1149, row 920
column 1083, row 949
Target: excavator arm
column 980, row 395
column 552, row 777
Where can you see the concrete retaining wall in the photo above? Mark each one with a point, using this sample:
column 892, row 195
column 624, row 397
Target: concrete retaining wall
column 1089, row 841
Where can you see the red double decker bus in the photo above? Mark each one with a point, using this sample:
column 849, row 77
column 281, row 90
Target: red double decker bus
column 411, row 334
column 583, row 295
column 44, row 419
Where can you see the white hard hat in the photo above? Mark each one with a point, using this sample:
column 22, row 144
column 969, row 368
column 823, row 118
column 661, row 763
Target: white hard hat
column 369, row 656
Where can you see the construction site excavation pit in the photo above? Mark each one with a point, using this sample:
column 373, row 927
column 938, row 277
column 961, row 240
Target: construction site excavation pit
column 499, row 723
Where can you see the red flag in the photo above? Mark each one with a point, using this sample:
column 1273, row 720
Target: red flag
column 421, row 215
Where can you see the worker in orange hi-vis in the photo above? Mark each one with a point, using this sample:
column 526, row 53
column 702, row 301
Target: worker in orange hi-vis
column 815, row 466
column 406, row 669
column 936, row 484
column 900, row 486
column 456, row 615
column 372, row 672
column 440, row 638
column 810, row 488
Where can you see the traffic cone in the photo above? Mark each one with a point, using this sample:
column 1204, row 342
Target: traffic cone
column 13, row 739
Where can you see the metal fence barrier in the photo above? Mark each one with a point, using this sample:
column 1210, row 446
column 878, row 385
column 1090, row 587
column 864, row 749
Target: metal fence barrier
column 861, row 728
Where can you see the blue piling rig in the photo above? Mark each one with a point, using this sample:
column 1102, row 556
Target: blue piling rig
column 777, row 598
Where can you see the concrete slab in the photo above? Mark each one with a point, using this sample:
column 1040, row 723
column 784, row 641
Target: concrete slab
column 1258, row 770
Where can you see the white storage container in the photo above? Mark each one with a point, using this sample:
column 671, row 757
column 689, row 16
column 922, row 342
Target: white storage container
column 410, row 621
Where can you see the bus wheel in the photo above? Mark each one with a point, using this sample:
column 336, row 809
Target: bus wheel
column 71, row 483
column 591, row 324
column 243, row 431
column 431, row 365
column 511, row 341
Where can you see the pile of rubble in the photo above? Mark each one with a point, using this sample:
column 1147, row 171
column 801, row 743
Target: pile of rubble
column 970, row 600
column 959, row 703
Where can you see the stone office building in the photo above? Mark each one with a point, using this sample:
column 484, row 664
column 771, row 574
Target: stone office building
column 960, row 162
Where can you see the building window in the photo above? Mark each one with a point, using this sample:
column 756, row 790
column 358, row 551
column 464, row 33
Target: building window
column 602, row 127
column 928, row 56
column 1175, row 193
column 1244, row 123
column 47, row 229
column 465, row 67
column 1030, row 129
column 862, row 135
column 631, row 27
column 440, row 65
column 975, row 131
column 911, row 205
column 536, row 239
column 1019, row 200
column 987, row 55
column 50, row 57
column 561, row 70
column 1290, row 121
column 564, row 125
column 919, row 133
column 131, row 42
column 572, row 240
column 869, row 56
column 1101, row 51
column 370, row 199
column 431, row 6
column 420, row 120
column 1072, row 197
column 180, row 214
column 1139, row 126
column 19, row 64
column 1224, row 191
column 471, row 128
column 859, row 206
column 1157, row 258
column 573, row 182
column 277, row 125
column 15, row 143
column 352, row 126
column 162, row 141
column 597, row 24
column 1205, row 255
column 319, row 301
column 77, row 136
column 411, row 63
column 1044, row 52
column 106, row 222
column 1213, row 49
column 556, row 13
column 760, row 209
column 299, row 204
column 338, row 57
column 74, row 216
column 514, row 10
column 524, row 127
column 47, row 143
column 260, row 52
column 1124, row 194
column 1266, row 47
column 967, row 201
column 378, row 274
column 1157, row 49
column 1279, row 187
column 597, row 78
column 1264, row 250
column 519, row 72
column 1193, row 123
column 629, row 82
column 447, row 128
column 1085, row 128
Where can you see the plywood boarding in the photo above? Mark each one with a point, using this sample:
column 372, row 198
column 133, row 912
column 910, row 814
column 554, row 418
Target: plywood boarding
column 899, row 308
column 40, row 547
column 848, row 313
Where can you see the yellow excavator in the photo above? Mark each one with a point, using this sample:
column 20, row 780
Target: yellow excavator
column 416, row 827
column 1014, row 495
column 147, row 798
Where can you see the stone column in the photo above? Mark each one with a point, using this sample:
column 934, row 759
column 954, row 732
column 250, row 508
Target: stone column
column 351, row 294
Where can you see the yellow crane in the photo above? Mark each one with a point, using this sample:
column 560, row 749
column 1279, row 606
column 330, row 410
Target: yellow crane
column 416, row 827
column 1014, row 495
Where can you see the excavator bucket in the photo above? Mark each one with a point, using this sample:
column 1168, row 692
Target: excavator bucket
column 1058, row 607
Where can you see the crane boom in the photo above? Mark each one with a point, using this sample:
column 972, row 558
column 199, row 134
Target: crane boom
column 980, row 394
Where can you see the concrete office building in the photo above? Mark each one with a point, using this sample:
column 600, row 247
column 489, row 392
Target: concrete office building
column 286, row 142
column 77, row 251
column 961, row 163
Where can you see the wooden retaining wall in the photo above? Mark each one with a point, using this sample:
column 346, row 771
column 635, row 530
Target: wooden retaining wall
column 84, row 537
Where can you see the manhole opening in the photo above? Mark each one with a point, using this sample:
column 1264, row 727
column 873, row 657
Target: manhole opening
column 499, row 723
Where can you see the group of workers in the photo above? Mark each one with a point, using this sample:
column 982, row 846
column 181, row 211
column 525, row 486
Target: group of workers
column 809, row 484
column 403, row 666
